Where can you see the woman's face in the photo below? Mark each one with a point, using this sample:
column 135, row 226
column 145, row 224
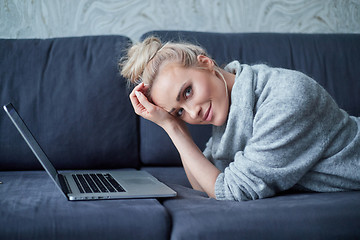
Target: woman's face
column 194, row 95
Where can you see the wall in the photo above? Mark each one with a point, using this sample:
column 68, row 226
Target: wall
column 60, row 18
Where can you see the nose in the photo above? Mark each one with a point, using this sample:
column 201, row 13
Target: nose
column 194, row 111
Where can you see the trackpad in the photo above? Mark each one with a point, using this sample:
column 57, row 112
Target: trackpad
column 138, row 181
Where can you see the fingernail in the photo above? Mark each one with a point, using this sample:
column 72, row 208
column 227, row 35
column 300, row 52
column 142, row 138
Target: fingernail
column 137, row 93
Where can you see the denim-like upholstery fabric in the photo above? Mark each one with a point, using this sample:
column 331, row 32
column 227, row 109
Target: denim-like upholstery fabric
column 158, row 150
column 298, row 216
column 287, row 216
column 70, row 94
column 33, row 208
column 331, row 59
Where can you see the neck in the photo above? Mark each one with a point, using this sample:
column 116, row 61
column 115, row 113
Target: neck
column 229, row 79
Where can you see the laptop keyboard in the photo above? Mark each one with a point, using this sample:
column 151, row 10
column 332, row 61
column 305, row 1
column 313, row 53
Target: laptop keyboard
column 97, row 183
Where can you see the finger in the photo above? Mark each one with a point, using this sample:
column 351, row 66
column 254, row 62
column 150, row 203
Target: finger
column 137, row 105
column 139, row 109
column 141, row 87
column 134, row 100
column 144, row 101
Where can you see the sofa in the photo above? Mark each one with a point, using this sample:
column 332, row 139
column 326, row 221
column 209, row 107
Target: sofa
column 73, row 99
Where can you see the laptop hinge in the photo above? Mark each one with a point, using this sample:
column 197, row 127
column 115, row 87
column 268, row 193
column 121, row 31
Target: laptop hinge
column 64, row 184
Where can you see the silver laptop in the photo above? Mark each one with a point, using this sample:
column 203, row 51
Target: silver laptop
column 89, row 184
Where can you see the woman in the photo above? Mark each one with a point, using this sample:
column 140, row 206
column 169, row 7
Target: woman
column 274, row 129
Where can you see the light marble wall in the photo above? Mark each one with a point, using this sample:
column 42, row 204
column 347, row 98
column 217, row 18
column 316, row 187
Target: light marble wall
column 61, row 18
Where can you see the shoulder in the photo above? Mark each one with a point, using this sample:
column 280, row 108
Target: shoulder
column 292, row 90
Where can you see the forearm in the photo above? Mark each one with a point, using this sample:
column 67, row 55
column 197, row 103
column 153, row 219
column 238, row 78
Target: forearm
column 195, row 185
column 201, row 172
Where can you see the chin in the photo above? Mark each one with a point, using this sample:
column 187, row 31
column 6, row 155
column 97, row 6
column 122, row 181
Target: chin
column 219, row 122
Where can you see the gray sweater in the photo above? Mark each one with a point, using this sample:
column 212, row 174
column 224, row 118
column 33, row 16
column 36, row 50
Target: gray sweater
column 283, row 131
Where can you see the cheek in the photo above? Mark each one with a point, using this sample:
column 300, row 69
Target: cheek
column 204, row 91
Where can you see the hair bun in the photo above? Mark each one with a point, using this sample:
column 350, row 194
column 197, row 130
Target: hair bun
column 138, row 56
column 144, row 60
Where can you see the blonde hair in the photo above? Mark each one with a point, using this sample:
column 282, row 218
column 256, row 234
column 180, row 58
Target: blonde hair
column 144, row 59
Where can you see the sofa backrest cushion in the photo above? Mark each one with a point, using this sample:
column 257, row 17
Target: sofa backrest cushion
column 71, row 96
column 331, row 59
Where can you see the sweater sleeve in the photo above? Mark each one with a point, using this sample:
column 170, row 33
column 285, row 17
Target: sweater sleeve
column 207, row 150
column 292, row 126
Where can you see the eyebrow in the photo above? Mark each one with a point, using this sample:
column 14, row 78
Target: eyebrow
column 178, row 96
column 181, row 90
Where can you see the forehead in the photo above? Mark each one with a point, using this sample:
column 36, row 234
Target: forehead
column 166, row 87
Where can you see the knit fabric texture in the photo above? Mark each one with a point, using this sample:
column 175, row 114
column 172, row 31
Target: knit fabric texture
column 283, row 131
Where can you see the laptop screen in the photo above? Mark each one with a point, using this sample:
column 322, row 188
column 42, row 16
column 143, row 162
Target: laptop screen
column 30, row 140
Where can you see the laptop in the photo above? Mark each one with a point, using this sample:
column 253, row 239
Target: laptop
column 91, row 184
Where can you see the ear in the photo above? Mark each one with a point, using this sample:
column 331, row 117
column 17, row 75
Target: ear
column 206, row 62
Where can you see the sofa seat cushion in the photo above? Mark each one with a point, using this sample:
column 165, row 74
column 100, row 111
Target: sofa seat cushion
column 287, row 216
column 33, row 208
column 299, row 216
column 175, row 178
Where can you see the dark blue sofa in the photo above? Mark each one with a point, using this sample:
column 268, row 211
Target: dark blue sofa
column 73, row 99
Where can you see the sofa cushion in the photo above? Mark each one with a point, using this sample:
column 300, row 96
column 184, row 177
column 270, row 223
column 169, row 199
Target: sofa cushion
column 170, row 175
column 331, row 59
column 297, row 216
column 287, row 216
column 156, row 148
column 71, row 96
column 33, row 208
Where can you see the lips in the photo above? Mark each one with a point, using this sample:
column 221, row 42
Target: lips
column 208, row 114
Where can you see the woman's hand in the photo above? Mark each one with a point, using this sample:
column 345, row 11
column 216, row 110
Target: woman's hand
column 144, row 108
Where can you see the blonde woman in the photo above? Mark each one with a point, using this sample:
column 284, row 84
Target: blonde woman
column 274, row 129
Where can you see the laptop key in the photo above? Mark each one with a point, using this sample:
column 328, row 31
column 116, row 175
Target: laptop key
column 113, row 182
column 78, row 183
column 106, row 183
column 91, row 183
column 99, row 183
column 83, row 183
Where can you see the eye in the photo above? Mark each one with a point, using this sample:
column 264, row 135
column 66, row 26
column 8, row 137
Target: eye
column 187, row 92
column 180, row 112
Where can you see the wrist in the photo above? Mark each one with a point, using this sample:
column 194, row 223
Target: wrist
column 175, row 126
